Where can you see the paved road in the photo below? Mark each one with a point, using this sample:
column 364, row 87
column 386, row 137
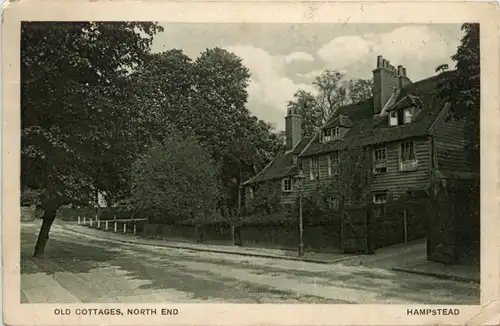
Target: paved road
column 80, row 268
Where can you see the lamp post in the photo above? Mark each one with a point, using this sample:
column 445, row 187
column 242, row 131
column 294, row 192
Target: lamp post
column 299, row 178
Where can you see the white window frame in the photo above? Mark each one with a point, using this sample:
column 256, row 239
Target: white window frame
column 287, row 185
column 336, row 134
column 251, row 193
column 314, row 168
column 393, row 118
column 328, row 135
column 334, row 203
column 379, row 198
column 333, row 163
column 287, row 207
column 379, row 164
column 408, row 115
column 408, row 163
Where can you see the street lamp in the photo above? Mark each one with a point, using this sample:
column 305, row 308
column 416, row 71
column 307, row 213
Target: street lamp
column 299, row 180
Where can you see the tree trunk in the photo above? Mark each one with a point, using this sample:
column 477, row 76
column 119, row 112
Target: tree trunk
column 43, row 236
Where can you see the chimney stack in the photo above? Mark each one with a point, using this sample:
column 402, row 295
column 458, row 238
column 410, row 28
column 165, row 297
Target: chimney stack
column 293, row 128
column 386, row 78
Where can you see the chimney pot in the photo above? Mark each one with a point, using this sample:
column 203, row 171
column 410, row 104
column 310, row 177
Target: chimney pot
column 384, row 63
column 388, row 64
column 379, row 61
column 404, row 71
column 400, row 70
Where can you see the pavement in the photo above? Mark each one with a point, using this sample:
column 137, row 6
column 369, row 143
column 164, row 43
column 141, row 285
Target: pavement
column 408, row 257
column 312, row 257
column 90, row 269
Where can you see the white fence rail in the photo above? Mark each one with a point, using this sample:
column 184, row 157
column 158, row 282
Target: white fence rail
column 92, row 221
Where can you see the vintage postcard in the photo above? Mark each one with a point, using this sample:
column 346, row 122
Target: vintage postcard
column 250, row 163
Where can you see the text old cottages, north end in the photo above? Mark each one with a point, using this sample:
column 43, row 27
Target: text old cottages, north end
column 397, row 146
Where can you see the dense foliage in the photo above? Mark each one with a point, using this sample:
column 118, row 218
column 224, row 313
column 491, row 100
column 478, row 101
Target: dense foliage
column 174, row 180
column 462, row 89
column 73, row 117
column 332, row 90
column 94, row 99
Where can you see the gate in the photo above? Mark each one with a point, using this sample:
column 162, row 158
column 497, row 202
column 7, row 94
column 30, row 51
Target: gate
column 355, row 230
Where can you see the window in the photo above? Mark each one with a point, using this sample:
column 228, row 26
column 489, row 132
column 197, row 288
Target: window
column 328, row 135
column 295, row 160
column 408, row 115
column 333, row 164
column 407, row 156
column 393, row 118
column 251, row 193
column 380, row 198
column 334, row 203
column 380, row 160
column 314, row 166
column 336, row 134
column 288, row 208
column 287, row 185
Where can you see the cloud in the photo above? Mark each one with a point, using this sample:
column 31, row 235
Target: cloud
column 311, row 74
column 269, row 90
column 419, row 48
column 298, row 56
column 344, row 51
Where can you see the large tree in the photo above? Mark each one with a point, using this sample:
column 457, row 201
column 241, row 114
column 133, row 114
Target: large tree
column 462, row 88
column 207, row 98
column 176, row 179
column 332, row 90
column 74, row 115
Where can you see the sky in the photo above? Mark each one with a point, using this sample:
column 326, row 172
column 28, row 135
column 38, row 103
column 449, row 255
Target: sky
column 283, row 58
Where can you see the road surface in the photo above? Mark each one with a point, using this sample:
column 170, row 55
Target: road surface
column 79, row 268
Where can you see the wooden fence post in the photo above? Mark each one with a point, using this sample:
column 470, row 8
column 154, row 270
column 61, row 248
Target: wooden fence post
column 125, row 227
column 232, row 235
column 116, row 226
column 106, row 225
column 405, row 223
column 135, row 229
column 84, row 220
column 91, row 222
column 79, row 220
column 98, row 224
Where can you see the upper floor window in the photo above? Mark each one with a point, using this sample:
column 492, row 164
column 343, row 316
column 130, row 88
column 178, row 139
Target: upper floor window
column 407, row 156
column 393, row 118
column 333, row 163
column 295, row 160
column 251, row 192
column 380, row 160
column 336, row 133
column 331, row 134
column 408, row 115
column 314, row 168
column 287, row 185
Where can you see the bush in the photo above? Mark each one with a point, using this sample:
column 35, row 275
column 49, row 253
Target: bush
column 175, row 180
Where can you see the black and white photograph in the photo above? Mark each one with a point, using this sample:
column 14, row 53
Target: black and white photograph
column 257, row 163
column 210, row 163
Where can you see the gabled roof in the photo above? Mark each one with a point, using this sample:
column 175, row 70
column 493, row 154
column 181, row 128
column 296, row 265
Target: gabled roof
column 340, row 120
column 281, row 166
column 370, row 129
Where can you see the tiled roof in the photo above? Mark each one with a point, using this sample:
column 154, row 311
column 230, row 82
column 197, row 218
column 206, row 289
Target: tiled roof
column 282, row 165
column 369, row 129
column 366, row 129
column 301, row 145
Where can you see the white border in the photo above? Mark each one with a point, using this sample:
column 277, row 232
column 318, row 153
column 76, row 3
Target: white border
column 255, row 12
